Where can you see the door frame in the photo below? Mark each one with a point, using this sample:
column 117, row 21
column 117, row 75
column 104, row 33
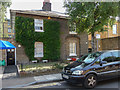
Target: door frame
column 7, row 55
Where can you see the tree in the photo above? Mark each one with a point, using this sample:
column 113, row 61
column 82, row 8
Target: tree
column 3, row 7
column 91, row 17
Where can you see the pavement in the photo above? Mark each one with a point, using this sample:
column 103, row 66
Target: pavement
column 23, row 82
column 11, row 79
column 10, row 71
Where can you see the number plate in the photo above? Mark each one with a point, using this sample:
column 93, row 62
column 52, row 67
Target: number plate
column 65, row 76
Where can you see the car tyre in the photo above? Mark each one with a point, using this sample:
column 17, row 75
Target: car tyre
column 90, row 81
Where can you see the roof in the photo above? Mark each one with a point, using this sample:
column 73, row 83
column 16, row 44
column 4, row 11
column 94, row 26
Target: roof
column 42, row 13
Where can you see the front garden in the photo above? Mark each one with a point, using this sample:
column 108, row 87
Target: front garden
column 37, row 69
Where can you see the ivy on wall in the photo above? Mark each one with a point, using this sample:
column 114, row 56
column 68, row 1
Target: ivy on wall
column 26, row 36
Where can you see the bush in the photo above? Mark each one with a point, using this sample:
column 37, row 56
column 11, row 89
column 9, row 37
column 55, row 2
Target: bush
column 26, row 36
column 58, row 66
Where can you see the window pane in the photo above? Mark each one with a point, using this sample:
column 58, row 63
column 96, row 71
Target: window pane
column 116, row 55
column 72, row 29
column 38, row 24
column 9, row 30
column 107, row 57
column 72, row 48
column 38, row 49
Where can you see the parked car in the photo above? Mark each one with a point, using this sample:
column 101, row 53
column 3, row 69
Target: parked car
column 93, row 67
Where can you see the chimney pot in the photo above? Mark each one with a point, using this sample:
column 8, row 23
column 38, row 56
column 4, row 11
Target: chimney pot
column 46, row 5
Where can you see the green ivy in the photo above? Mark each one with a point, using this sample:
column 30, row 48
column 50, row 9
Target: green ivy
column 26, row 36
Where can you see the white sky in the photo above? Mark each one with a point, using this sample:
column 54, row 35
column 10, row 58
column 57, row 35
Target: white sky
column 57, row 5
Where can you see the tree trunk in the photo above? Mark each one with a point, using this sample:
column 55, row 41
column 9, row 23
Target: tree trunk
column 93, row 42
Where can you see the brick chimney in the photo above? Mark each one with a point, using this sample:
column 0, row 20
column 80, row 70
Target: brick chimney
column 46, row 5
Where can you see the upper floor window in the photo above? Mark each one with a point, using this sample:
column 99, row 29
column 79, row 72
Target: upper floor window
column 115, row 29
column 9, row 30
column 72, row 29
column 72, row 49
column 13, row 30
column 8, row 22
column 38, row 25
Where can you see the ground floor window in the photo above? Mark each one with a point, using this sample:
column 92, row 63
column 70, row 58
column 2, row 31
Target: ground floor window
column 38, row 49
column 72, row 48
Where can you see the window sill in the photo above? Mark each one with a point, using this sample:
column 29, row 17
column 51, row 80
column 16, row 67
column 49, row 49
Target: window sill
column 72, row 32
column 39, row 31
column 73, row 55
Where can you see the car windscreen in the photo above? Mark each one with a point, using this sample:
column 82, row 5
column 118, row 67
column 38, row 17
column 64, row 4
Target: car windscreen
column 88, row 58
column 82, row 58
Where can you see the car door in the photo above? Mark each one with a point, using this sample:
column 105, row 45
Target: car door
column 116, row 55
column 108, row 70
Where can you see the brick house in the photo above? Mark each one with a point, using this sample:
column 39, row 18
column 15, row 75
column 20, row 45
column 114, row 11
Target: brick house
column 108, row 40
column 7, row 32
column 72, row 45
column 7, row 35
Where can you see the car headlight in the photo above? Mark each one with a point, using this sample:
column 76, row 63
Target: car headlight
column 77, row 72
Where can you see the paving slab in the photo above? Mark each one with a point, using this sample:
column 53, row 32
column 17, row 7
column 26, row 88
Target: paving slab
column 23, row 82
column 48, row 78
column 17, row 82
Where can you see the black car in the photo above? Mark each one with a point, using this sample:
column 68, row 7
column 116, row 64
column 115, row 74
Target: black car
column 93, row 67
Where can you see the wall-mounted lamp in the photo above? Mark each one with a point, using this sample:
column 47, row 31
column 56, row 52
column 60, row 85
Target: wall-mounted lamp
column 19, row 46
column 49, row 17
column 99, row 45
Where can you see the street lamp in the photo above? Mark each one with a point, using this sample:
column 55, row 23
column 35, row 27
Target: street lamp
column 3, row 29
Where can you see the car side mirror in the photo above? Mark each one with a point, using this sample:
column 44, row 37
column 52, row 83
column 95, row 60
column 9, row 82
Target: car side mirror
column 103, row 62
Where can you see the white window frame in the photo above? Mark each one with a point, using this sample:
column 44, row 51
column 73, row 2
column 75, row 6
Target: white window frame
column 9, row 23
column 72, row 49
column 9, row 30
column 36, row 49
column 72, row 32
column 114, row 29
column 38, row 23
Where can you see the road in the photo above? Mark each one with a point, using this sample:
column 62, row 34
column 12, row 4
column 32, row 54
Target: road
column 113, row 84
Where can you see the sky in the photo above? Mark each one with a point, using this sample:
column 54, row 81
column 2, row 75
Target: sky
column 57, row 5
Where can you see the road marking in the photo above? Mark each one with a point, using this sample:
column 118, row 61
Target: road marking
column 43, row 85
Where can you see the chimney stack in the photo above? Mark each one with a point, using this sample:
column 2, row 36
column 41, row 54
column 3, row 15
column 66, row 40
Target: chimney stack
column 46, row 5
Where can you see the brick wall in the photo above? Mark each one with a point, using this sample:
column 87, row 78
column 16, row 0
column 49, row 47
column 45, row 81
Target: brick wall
column 111, row 43
column 80, row 39
column 20, row 53
column 6, row 26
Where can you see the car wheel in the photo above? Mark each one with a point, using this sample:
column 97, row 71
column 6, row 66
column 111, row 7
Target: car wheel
column 90, row 81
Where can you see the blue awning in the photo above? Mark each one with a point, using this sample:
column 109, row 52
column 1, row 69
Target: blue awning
column 6, row 45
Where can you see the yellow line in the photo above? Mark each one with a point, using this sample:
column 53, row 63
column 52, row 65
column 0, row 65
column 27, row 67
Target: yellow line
column 42, row 85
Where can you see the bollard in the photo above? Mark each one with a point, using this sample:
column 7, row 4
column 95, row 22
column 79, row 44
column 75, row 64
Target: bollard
column 21, row 67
